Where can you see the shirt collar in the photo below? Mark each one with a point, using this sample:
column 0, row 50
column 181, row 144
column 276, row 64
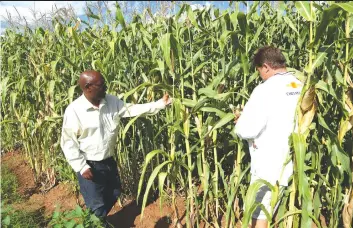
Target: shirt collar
column 88, row 105
column 277, row 74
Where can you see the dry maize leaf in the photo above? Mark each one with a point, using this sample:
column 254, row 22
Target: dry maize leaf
column 348, row 109
column 349, row 101
column 308, row 99
column 307, row 118
column 77, row 24
column 344, row 128
column 347, row 214
column 198, row 125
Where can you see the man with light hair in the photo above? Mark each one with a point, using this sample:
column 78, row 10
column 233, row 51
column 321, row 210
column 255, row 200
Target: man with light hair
column 266, row 123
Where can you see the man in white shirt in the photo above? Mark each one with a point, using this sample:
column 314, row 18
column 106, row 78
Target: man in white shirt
column 266, row 123
column 89, row 135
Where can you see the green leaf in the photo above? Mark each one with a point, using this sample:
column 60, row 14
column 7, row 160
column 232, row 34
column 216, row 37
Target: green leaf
column 245, row 64
column 73, row 33
column 141, row 86
column 223, row 39
column 56, row 215
column 70, row 224
column 161, row 179
column 199, row 67
column 342, row 157
column 327, row 16
column 304, row 10
column 6, row 221
column 150, row 182
column 303, row 186
column 291, row 25
column 199, row 104
column 317, row 62
column 78, row 210
column 175, row 47
column 119, row 16
column 322, row 122
column 148, row 158
column 219, row 112
column 189, row 103
column 69, row 62
column 180, row 12
column 71, row 93
column 348, row 7
column 300, row 151
column 191, row 17
column 243, row 24
column 13, row 98
column 92, row 15
column 165, row 45
column 250, row 204
column 255, row 38
column 209, row 92
column 226, row 119
column 128, row 125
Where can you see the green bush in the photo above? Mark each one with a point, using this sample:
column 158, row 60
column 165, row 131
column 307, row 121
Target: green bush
column 19, row 219
column 9, row 186
column 75, row 218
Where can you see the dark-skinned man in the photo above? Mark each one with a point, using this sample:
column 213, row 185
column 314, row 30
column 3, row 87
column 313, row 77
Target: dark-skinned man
column 89, row 135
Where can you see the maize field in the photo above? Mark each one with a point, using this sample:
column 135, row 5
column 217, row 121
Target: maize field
column 202, row 58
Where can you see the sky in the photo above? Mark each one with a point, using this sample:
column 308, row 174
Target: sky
column 25, row 8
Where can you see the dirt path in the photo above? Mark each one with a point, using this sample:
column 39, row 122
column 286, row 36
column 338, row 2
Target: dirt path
column 63, row 196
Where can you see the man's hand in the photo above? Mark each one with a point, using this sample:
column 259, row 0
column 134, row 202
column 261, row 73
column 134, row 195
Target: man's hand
column 236, row 116
column 88, row 175
column 237, row 113
column 166, row 99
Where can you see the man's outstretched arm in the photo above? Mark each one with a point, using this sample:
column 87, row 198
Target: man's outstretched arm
column 131, row 110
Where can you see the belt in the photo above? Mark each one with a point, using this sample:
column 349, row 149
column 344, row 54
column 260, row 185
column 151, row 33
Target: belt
column 105, row 161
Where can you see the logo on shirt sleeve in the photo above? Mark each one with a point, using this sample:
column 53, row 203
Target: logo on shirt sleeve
column 294, row 85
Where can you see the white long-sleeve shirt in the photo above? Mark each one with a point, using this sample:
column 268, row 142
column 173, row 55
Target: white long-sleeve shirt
column 267, row 122
column 89, row 133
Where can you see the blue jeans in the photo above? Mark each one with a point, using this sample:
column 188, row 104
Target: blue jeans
column 101, row 193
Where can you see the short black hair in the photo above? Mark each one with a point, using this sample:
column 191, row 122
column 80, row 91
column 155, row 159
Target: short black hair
column 271, row 56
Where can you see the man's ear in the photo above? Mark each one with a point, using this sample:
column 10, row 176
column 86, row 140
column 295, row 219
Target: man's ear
column 266, row 67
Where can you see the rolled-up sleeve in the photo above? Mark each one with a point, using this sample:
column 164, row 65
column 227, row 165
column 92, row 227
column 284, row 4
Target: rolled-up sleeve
column 254, row 116
column 131, row 110
column 69, row 143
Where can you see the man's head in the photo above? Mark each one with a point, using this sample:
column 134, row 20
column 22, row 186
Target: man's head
column 268, row 61
column 93, row 85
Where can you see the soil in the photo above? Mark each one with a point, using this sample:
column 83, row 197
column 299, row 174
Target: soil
column 63, row 197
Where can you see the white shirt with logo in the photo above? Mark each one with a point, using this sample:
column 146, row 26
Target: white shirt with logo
column 266, row 122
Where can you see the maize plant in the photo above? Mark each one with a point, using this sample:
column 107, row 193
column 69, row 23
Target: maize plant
column 202, row 58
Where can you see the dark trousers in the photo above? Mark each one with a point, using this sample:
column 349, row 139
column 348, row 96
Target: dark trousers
column 101, row 193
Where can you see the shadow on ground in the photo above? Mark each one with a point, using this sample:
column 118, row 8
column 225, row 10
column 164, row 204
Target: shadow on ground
column 125, row 218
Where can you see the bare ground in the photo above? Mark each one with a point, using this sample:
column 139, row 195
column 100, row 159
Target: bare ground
column 63, row 197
